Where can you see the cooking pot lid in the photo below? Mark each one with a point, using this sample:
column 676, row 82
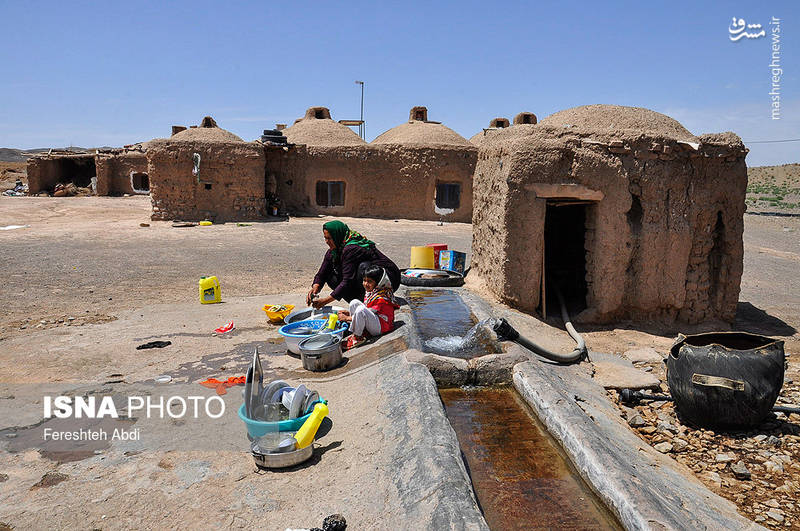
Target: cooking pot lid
column 319, row 341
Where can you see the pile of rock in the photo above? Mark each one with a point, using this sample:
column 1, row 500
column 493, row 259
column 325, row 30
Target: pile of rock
column 757, row 469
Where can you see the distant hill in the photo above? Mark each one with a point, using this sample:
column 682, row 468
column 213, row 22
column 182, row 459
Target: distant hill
column 774, row 188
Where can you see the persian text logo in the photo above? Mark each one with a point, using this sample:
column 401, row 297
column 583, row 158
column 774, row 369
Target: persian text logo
column 737, row 30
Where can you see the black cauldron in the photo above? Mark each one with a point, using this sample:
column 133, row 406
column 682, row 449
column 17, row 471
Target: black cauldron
column 725, row 379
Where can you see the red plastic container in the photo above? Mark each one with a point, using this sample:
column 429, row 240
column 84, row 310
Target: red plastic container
column 436, row 248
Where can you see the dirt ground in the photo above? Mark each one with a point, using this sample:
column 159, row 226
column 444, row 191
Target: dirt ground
column 85, row 260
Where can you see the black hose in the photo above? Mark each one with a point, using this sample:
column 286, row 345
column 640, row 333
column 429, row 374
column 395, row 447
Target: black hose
column 505, row 331
column 629, row 395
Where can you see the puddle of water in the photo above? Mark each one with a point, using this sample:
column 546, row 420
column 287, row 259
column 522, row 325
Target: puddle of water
column 86, row 440
column 521, row 478
column 447, row 326
column 235, row 362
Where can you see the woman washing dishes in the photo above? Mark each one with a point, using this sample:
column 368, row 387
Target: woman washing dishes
column 374, row 316
column 349, row 254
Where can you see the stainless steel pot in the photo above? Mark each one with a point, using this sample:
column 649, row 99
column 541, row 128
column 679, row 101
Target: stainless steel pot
column 321, row 352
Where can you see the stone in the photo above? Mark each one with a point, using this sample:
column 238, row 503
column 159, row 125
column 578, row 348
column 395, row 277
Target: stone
column 740, row 471
column 646, row 355
column 613, row 376
column 714, row 478
column 775, row 516
column 636, row 421
column 679, row 445
column 773, row 467
column 664, row 447
column 774, row 441
column 775, row 504
column 723, row 458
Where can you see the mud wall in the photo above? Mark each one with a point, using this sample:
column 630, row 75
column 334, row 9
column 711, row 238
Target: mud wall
column 663, row 231
column 383, row 181
column 45, row 172
column 228, row 187
column 114, row 171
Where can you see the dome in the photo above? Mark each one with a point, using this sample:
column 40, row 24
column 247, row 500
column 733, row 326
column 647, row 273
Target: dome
column 205, row 134
column 494, row 125
column 610, row 118
column 418, row 130
column 317, row 128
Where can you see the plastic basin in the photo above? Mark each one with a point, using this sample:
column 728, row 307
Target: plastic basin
column 257, row 428
column 278, row 317
column 293, row 340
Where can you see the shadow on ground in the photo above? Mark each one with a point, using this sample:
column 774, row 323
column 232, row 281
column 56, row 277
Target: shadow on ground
column 755, row 320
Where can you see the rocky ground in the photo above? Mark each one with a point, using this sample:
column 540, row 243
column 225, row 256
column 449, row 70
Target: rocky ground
column 757, row 469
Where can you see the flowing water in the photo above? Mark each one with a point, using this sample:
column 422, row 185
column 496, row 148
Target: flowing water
column 447, row 326
column 521, row 478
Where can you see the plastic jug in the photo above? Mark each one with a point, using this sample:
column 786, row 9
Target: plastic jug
column 305, row 435
column 210, row 290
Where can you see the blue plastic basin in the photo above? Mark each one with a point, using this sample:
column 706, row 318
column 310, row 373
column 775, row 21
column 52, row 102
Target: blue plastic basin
column 257, row 428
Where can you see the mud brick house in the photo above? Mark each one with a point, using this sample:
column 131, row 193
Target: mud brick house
column 627, row 212
column 417, row 170
column 207, row 172
column 116, row 171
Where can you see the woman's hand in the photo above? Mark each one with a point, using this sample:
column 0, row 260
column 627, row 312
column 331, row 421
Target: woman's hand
column 322, row 301
column 344, row 315
column 311, row 294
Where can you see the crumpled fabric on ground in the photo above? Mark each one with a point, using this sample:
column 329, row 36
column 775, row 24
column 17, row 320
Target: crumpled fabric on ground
column 221, row 387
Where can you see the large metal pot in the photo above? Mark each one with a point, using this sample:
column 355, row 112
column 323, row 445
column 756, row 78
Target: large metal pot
column 321, row 352
column 725, row 378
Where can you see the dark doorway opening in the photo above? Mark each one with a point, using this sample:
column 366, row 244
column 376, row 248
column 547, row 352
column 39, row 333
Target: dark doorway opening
column 140, row 183
column 77, row 170
column 565, row 256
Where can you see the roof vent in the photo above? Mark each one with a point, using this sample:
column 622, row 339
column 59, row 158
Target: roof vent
column 525, row 118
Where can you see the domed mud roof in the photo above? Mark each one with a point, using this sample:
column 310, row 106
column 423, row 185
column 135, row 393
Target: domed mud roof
column 208, row 131
column 317, row 128
column 610, row 118
column 418, row 130
column 494, row 125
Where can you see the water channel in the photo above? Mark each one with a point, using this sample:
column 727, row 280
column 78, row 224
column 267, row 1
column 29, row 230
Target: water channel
column 520, row 475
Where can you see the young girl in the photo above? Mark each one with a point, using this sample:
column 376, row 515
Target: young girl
column 375, row 315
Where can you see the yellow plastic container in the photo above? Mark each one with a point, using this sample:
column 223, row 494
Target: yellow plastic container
column 422, row 257
column 305, row 435
column 210, row 290
column 275, row 313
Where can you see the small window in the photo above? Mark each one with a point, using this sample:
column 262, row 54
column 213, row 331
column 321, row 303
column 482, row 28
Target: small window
column 419, row 116
column 208, row 186
column 330, row 193
column 319, row 114
column 448, row 195
column 140, row 183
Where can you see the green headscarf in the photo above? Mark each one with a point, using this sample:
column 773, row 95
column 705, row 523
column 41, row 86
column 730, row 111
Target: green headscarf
column 342, row 236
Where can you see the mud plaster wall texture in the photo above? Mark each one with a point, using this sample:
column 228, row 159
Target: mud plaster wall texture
column 229, row 187
column 382, row 181
column 676, row 255
column 114, row 171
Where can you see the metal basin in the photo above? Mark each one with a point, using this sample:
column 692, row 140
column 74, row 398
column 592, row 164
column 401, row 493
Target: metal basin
column 305, row 313
column 321, row 352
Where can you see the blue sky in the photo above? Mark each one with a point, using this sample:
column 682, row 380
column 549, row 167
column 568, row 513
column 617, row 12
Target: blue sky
column 113, row 73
